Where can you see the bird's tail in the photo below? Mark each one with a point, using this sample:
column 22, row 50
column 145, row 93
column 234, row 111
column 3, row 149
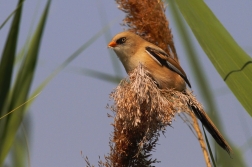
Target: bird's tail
column 211, row 128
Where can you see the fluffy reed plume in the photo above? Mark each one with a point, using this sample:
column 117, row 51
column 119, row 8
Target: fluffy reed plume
column 147, row 18
column 142, row 111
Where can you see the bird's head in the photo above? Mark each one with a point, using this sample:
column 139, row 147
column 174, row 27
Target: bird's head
column 124, row 43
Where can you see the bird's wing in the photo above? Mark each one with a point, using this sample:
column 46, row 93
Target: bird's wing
column 165, row 60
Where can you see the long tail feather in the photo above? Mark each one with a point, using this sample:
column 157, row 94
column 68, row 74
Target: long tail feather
column 211, row 128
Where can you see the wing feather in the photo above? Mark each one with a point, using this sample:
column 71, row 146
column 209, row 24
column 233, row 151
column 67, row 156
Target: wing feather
column 165, row 60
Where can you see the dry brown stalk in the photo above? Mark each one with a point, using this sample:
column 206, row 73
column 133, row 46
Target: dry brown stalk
column 200, row 138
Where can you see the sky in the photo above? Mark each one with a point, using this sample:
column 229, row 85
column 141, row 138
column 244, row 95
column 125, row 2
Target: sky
column 70, row 114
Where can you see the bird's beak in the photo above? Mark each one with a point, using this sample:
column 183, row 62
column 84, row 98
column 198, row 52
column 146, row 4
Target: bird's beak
column 112, row 44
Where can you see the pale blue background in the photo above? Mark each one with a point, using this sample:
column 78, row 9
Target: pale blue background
column 70, row 114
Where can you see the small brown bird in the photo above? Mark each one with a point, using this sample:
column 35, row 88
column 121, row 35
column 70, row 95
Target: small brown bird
column 166, row 71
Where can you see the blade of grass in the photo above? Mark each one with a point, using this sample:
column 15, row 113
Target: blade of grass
column 12, row 13
column 22, row 87
column 98, row 75
column 23, row 51
column 15, row 109
column 209, row 148
column 8, row 56
column 20, row 150
column 6, row 65
column 225, row 54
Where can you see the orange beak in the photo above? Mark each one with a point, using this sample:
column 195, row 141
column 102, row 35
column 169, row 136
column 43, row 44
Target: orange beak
column 112, row 44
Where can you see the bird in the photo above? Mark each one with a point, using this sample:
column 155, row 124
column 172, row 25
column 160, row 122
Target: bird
column 166, row 71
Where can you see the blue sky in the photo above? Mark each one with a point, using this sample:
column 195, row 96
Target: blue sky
column 70, row 114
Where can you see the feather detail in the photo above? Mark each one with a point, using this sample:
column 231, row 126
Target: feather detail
column 165, row 60
column 209, row 125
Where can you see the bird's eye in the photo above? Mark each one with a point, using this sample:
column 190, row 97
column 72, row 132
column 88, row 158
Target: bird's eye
column 121, row 40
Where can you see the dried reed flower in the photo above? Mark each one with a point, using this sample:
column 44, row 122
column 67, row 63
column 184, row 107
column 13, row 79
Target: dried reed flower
column 142, row 111
column 147, row 18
